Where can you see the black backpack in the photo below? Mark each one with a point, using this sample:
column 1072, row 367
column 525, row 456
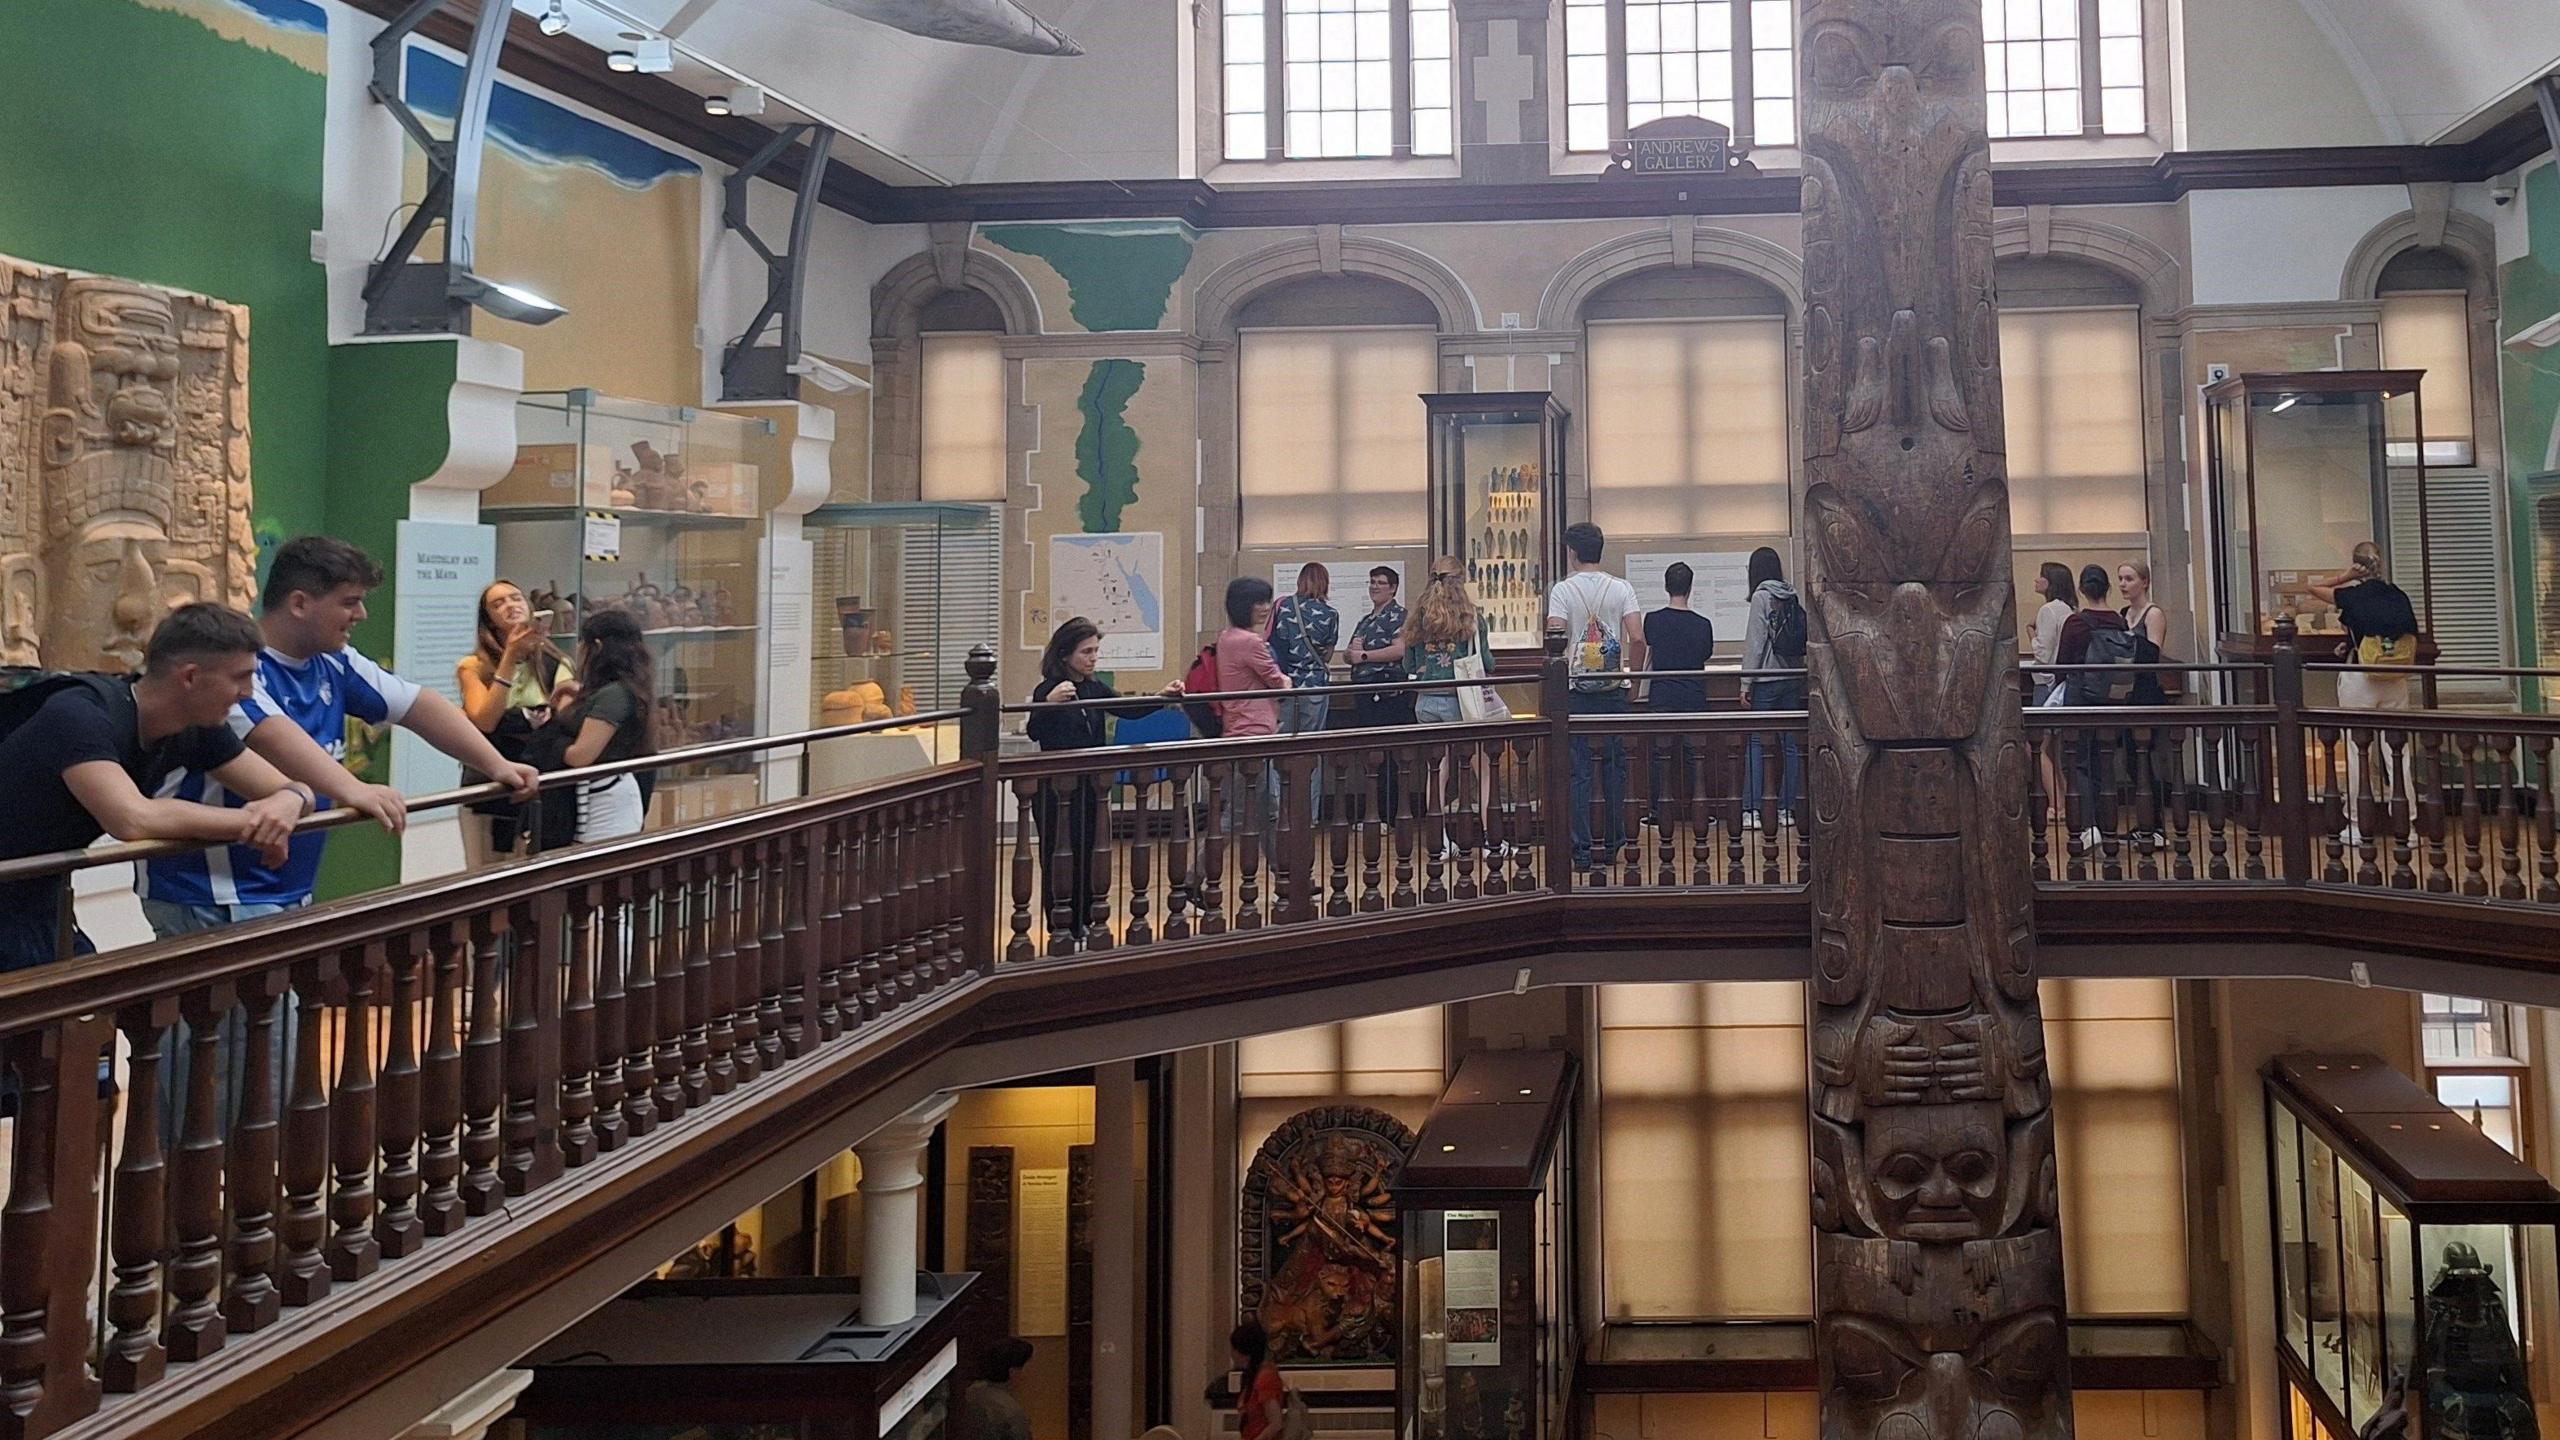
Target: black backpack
column 19, row 705
column 2104, row 687
column 1786, row 629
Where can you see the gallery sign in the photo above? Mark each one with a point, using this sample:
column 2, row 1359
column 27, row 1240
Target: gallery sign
column 1678, row 145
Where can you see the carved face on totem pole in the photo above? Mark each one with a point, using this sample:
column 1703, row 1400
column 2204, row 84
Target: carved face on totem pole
column 126, row 489
column 1938, row 1259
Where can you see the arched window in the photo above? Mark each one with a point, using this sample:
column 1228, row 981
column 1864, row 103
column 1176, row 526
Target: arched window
column 2071, row 387
column 960, row 382
column 1330, row 440
column 1685, row 405
column 2426, row 325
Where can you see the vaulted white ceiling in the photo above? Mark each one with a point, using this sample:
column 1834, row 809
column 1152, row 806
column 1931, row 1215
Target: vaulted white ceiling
column 2439, row 69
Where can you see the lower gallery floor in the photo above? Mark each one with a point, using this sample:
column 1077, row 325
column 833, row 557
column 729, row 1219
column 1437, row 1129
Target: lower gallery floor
column 2232, row 1271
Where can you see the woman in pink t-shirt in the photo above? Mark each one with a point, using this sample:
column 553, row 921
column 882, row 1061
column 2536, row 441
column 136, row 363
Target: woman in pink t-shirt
column 1244, row 660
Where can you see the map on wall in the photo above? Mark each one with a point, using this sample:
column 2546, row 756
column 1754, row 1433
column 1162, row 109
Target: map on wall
column 1117, row 582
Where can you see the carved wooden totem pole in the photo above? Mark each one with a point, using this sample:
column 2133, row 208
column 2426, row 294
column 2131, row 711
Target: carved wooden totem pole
column 1938, row 1258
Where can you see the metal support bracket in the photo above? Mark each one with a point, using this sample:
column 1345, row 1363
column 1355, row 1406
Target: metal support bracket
column 749, row 369
column 402, row 294
column 2546, row 93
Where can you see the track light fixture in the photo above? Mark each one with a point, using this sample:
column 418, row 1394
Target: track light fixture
column 622, row 62
column 715, row 104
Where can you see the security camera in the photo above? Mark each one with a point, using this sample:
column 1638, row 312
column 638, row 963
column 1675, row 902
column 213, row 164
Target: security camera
column 2502, row 191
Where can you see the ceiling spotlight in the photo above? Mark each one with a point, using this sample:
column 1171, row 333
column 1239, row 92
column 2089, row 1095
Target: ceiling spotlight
column 715, row 104
column 507, row 302
column 622, row 62
column 555, row 21
column 834, row 379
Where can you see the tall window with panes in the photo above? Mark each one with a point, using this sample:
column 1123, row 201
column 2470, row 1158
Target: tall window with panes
column 1338, row 79
column 2055, row 68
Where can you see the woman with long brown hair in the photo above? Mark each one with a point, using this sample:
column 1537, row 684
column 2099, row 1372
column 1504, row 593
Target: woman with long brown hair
column 1443, row 627
column 511, row 682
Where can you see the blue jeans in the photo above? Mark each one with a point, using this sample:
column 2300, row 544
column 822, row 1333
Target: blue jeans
column 176, row 1048
column 1774, row 695
column 29, row 937
column 1306, row 715
column 1613, row 776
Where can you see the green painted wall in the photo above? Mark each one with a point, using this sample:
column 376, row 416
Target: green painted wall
column 1119, row 274
column 2529, row 293
column 143, row 144
column 1107, row 446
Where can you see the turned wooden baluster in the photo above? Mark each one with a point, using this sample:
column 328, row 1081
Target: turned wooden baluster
column 821, row 848
column 484, row 1089
column 773, row 958
column 1414, row 826
column 866, row 917
column 440, row 1094
column 2546, row 826
column 1342, row 835
column 50, row 1224
column 617, row 941
column 719, row 880
column 802, row 987
column 2334, row 808
column 1182, row 811
column 397, row 1229
column 1250, row 796
column 645, row 926
column 1297, row 902
column 695, row 1075
column 1099, row 859
column 1142, row 872
column 2472, row 750
column 2507, row 766
column 2400, row 835
column 302, row 1221
column 578, row 1032
column 1438, row 832
column 906, row 859
column 1025, row 875
column 743, row 898
column 531, row 1157
column 2182, row 840
column 1218, row 793
column 1373, row 835
column 353, row 1252
column 2434, row 828
column 839, row 952
column 2252, row 805
column 672, row 940
column 253, row 1302
column 2222, row 758
column 2039, row 807
column 132, row 1356
column 1057, row 862
column 194, row 1328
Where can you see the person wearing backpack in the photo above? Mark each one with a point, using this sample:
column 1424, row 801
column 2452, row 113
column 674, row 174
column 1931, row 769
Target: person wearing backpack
column 89, row 755
column 1603, row 630
column 1773, row 638
column 2094, row 635
column 2148, row 624
column 2382, row 629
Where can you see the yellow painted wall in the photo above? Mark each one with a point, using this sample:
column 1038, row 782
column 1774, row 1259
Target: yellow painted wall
column 1041, row 1123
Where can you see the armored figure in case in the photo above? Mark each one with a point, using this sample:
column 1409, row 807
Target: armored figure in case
column 2475, row 1383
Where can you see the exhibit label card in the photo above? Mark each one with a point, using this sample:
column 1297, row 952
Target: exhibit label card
column 440, row 571
column 1471, row 1241
column 1040, row 1252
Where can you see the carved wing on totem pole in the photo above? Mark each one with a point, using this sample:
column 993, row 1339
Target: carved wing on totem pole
column 1938, row 1254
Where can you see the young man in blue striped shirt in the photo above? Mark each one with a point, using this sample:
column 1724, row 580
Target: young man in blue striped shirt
column 308, row 685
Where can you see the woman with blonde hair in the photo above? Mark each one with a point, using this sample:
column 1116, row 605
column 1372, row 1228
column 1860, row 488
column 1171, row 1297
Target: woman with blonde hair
column 2382, row 629
column 1443, row 627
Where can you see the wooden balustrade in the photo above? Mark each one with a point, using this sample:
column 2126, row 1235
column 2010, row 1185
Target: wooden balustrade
column 307, row 1104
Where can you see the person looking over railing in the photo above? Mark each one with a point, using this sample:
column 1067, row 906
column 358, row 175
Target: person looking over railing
column 1304, row 628
column 612, row 718
column 1444, row 628
column 89, row 755
column 1679, row 639
column 2053, row 582
column 1067, row 669
column 511, row 682
column 2148, row 624
column 2094, row 635
column 1604, row 632
column 308, row 685
column 1377, row 658
column 1773, row 638
column 2382, row 630
column 1245, row 663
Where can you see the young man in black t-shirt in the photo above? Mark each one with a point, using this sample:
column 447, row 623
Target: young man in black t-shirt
column 91, row 757
column 1678, row 638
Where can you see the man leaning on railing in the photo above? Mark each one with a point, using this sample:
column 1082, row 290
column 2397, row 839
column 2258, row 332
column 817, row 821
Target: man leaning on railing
column 87, row 755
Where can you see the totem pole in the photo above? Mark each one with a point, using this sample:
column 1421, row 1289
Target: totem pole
column 1938, row 1257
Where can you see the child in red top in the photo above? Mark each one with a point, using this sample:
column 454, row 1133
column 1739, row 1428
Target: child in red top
column 1244, row 660
column 1264, row 1399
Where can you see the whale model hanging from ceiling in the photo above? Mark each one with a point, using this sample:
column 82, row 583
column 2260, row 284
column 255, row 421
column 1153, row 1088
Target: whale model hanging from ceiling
column 999, row 23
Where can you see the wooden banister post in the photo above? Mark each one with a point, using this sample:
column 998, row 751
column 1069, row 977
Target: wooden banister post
column 981, row 735
column 1555, row 703
column 2293, row 765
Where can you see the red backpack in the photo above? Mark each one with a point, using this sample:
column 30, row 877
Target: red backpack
column 1203, row 680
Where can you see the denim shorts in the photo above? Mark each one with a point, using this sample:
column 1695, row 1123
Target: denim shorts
column 1436, row 707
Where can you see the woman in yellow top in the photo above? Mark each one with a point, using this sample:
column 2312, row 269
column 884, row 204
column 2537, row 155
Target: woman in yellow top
column 511, row 682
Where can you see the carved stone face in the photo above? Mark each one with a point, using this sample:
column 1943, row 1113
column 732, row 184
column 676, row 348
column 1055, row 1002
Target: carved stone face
column 1936, row 1171
column 107, row 594
column 132, row 338
column 109, row 478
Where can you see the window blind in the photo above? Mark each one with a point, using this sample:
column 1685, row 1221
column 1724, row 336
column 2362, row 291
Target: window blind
column 1688, row 426
column 1392, row 1062
column 950, row 598
column 2461, row 573
column 2431, row 331
column 1330, row 430
column 961, row 385
column 2071, row 382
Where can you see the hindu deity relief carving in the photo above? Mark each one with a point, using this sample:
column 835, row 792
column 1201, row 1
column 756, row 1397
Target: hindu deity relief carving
column 1938, row 1250
column 124, row 463
column 1319, row 1249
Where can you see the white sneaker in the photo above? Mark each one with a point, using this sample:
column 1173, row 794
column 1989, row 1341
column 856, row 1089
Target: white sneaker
column 1786, row 819
column 2351, row 836
column 1750, row 819
column 2088, row 841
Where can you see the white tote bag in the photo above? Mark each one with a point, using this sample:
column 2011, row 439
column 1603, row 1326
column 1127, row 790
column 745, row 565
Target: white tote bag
column 1477, row 700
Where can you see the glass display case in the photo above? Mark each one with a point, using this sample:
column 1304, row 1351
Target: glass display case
column 1497, row 503
column 658, row 510
column 2399, row 1228
column 2302, row 470
column 891, row 583
column 1490, row 1336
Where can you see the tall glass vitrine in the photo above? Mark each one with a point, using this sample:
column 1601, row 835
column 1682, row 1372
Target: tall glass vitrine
column 1497, row 503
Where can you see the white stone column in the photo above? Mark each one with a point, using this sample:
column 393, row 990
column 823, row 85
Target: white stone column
column 892, row 1187
column 1115, row 1248
column 469, row 1415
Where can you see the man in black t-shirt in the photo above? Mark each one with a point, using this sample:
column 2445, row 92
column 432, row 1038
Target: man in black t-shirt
column 91, row 757
column 1678, row 638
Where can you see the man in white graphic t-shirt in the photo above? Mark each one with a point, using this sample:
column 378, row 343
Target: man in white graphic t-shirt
column 1603, row 638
